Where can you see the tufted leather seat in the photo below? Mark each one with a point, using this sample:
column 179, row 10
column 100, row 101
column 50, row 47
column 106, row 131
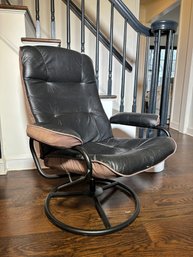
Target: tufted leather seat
column 66, row 113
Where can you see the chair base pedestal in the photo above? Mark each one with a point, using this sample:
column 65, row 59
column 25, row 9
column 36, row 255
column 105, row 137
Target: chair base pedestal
column 104, row 199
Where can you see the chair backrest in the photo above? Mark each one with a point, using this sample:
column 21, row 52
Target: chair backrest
column 61, row 89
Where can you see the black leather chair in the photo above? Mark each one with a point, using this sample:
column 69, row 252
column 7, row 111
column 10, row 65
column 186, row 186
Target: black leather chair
column 75, row 136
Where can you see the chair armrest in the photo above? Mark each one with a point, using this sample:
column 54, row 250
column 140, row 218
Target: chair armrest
column 146, row 120
column 48, row 134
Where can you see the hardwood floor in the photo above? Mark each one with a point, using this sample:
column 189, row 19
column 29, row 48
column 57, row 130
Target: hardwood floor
column 164, row 227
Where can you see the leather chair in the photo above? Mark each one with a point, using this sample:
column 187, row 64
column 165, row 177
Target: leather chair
column 75, row 136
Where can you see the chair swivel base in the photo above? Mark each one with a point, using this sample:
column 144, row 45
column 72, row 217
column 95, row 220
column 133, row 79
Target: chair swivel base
column 105, row 190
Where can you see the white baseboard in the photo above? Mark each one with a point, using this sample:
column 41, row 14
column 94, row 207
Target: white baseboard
column 20, row 163
column 2, row 168
column 189, row 131
column 174, row 125
column 16, row 163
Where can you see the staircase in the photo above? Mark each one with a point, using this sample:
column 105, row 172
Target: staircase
column 116, row 41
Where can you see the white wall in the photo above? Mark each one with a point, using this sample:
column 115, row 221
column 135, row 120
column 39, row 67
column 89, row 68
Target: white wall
column 13, row 118
column 189, row 129
column 181, row 118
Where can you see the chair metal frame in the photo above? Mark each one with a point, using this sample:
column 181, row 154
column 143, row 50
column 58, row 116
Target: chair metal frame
column 95, row 191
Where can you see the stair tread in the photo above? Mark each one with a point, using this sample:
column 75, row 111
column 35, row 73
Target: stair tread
column 41, row 40
column 13, row 7
column 108, row 96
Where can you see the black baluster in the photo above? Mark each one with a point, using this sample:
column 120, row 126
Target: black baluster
column 82, row 26
column 109, row 90
column 97, row 43
column 145, row 83
column 134, row 106
column 166, row 79
column 37, row 9
column 155, row 73
column 145, row 78
column 53, row 31
column 123, row 67
column 68, row 24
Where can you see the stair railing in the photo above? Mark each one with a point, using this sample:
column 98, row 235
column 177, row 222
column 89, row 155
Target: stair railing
column 152, row 36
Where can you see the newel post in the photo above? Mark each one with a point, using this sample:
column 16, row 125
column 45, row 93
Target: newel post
column 160, row 30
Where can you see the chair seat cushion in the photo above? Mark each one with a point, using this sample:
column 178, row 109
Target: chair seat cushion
column 115, row 157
